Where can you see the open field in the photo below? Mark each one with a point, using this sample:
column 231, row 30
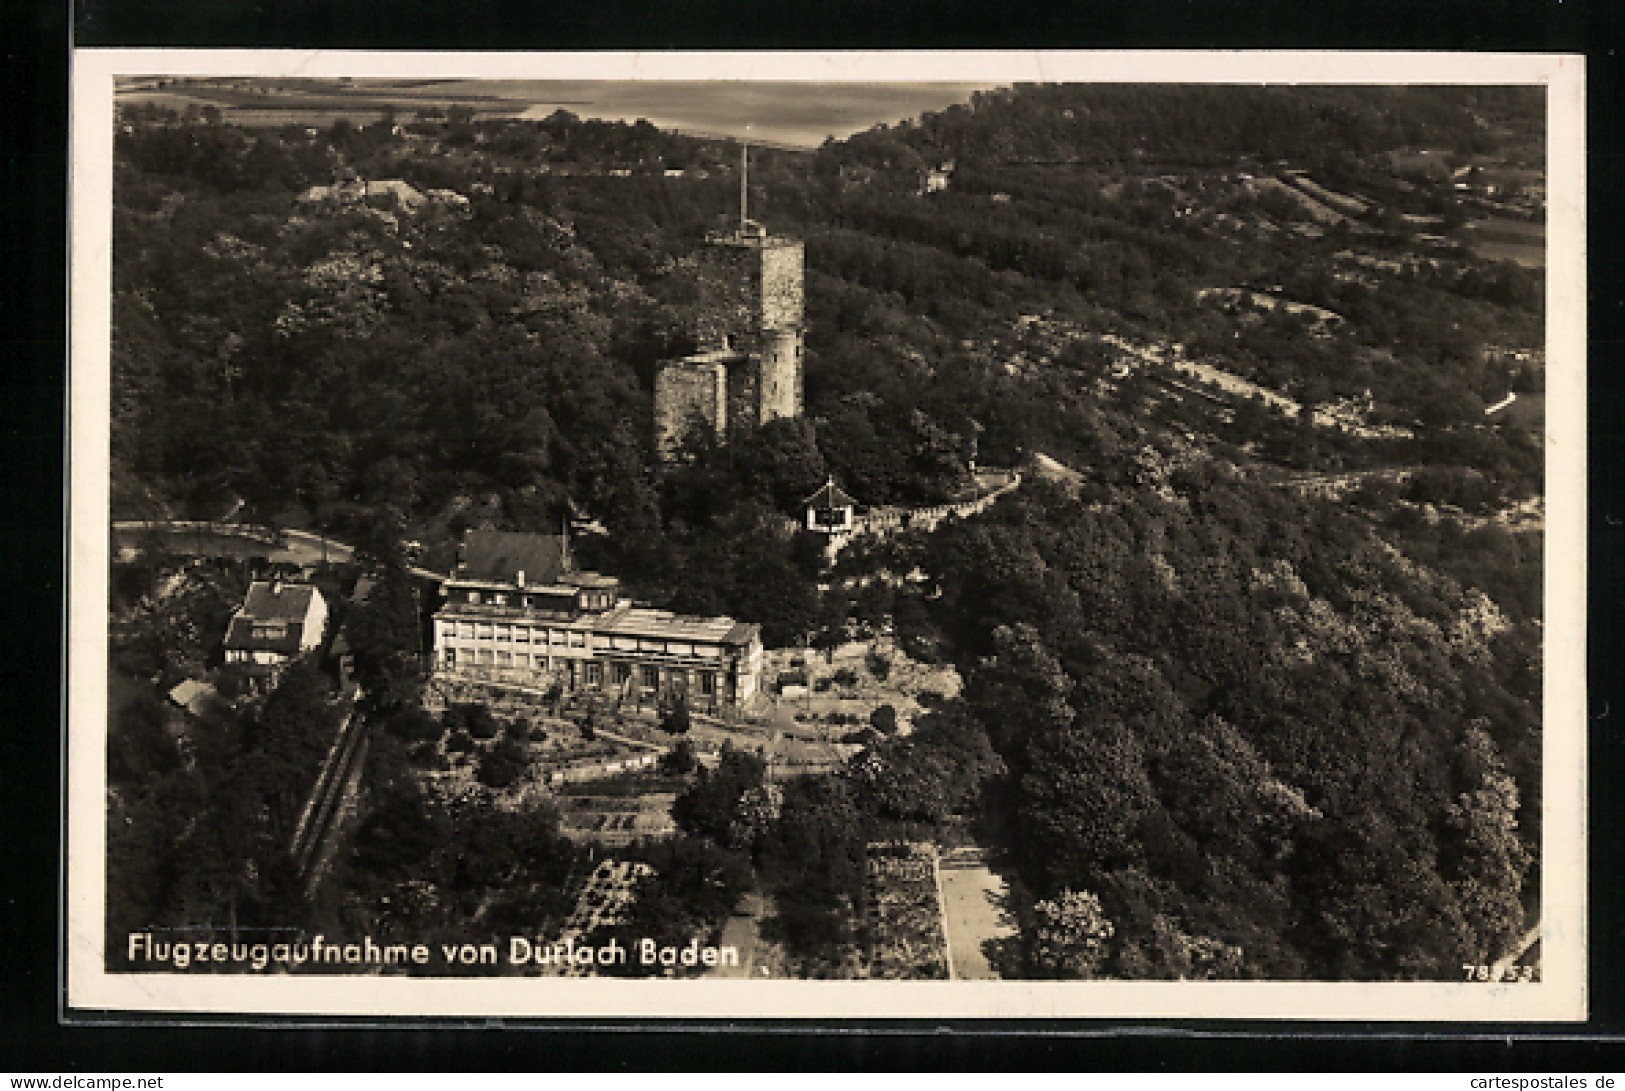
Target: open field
column 1508, row 240
column 1526, row 255
column 782, row 115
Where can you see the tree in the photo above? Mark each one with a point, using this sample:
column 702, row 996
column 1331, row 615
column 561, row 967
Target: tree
column 722, row 804
column 139, row 746
column 692, row 889
column 404, row 826
column 504, row 764
column 674, row 718
column 781, row 461
column 385, row 633
column 937, row 771
column 476, row 719
column 812, row 859
column 413, row 725
column 1069, row 935
column 680, row 758
column 1491, row 860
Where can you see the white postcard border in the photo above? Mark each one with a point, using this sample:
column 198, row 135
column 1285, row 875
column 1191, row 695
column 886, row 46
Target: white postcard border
column 1561, row 995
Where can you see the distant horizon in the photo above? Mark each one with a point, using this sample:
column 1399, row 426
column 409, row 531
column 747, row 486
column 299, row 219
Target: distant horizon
column 782, row 113
column 794, row 114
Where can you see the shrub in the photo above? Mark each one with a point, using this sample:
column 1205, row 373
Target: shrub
column 679, row 759
column 884, row 719
column 413, row 725
column 474, row 718
column 675, row 719
column 503, row 765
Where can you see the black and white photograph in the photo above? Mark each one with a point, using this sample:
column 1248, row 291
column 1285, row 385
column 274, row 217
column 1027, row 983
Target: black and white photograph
column 765, row 535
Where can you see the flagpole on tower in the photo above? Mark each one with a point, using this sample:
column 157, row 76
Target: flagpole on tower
column 744, row 182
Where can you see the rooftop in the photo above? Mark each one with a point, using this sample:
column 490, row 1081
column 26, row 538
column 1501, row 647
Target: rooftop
column 754, row 235
column 489, row 612
column 196, row 697
column 285, row 639
column 276, row 601
column 646, row 621
column 712, row 356
column 502, row 556
column 830, row 496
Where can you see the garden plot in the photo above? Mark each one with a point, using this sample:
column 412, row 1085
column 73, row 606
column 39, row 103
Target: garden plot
column 616, row 820
column 602, row 903
column 906, row 936
column 549, row 751
column 840, row 690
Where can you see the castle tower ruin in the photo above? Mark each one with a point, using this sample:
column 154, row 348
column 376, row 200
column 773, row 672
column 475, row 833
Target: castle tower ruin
column 749, row 324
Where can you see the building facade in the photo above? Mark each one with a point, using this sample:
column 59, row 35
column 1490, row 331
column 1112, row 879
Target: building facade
column 749, row 329
column 277, row 623
column 830, row 513
column 517, row 611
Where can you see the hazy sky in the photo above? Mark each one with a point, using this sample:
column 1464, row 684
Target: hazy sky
column 802, row 114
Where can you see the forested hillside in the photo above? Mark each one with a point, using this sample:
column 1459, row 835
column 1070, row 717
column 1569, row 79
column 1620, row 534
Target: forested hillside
column 1216, row 126
column 1264, row 738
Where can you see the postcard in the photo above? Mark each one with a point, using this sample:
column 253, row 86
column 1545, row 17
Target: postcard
column 1075, row 536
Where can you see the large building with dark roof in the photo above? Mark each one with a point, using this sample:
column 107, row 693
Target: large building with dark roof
column 518, row 611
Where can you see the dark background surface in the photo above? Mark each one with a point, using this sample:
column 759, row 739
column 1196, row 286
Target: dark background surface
column 36, row 74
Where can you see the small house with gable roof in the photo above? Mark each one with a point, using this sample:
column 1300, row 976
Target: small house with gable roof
column 829, row 510
column 277, row 623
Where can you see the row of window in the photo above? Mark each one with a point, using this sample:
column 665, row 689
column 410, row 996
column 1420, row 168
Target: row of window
column 517, row 634
column 571, row 638
column 485, row 657
column 587, row 600
column 593, row 673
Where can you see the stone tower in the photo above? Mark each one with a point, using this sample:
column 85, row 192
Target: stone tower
column 754, row 310
column 749, row 327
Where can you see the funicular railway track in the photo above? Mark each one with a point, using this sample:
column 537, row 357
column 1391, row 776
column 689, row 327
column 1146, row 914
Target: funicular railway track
column 320, row 823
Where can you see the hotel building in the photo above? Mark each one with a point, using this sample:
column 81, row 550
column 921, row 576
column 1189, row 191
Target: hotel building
column 517, row 611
